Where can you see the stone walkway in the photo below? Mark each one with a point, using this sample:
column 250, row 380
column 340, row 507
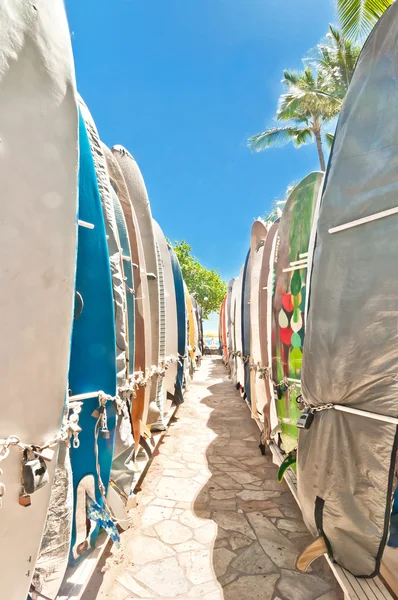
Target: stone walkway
column 212, row 521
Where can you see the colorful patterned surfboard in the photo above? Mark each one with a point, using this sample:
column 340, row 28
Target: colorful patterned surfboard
column 288, row 303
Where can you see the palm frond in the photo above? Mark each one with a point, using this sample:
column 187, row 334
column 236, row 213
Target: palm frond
column 329, row 137
column 275, row 136
column 290, row 77
column 304, row 137
column 357, row 17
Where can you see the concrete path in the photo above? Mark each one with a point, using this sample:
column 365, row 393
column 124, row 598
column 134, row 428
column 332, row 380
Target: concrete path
column 212, row 521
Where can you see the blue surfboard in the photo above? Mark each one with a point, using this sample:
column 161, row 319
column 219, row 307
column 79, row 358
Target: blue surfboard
column 246, row 324
column 93, row 355
column 181, row 323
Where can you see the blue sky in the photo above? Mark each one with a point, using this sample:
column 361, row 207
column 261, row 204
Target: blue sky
column 183, row 84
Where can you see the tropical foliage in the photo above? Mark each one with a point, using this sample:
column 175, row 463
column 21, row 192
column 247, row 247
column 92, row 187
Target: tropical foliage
column 277, row 208
column 334, row 60
column 357, row 17
column 205, row 285
column 313, row 97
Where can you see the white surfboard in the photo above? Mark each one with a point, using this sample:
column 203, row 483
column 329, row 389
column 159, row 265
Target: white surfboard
column 171, row 312
column 134, row 184
column 232, row 355
column 38, row 171
column 257, row 385
column 240, row 371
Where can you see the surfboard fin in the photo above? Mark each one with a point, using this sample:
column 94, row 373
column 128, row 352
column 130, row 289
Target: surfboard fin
column 289, row 461
column 315, row 550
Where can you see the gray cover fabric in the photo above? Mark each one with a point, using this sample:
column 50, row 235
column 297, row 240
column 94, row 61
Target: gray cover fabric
column 351, row 345
column 54, row 551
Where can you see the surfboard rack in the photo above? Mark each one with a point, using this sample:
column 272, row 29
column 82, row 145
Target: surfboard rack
column 78, row 577
column 369, row 219
column 354, row 588
column 296, row 267
column 85, row 224
column 86, row 396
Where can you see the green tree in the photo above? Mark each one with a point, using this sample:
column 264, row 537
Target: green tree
column 306, row 107
column 204, row 284
column 358, row 17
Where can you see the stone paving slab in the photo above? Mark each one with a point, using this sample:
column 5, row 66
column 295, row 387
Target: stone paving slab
column 212, row 521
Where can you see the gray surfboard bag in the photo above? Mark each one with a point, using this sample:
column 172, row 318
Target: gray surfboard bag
column 346, row 462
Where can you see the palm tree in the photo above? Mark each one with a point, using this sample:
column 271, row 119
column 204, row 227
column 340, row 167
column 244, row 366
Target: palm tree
column 306, row 107
column 334, row 59
column 357, row 17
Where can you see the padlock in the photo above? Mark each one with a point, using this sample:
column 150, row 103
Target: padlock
column 305, row 420
column 98, row 412
column 46, row 454
column 34, row 472
column 104, row 432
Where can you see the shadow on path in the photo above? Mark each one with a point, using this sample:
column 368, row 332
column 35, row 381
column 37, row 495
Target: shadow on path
column 259, row 525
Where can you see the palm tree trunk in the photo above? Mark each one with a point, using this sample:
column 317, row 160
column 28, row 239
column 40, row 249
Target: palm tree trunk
column 318, row 139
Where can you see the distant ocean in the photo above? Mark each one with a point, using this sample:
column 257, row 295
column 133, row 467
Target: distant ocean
column 211, row 342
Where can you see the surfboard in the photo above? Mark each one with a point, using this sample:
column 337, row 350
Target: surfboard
column 346, row 461
column 223, row 329
column 124, row 176
column 246, row 326
column 139, row 198
column 93, row 357
column 191, row 333
column 123, row 466
column 220, row 340
column 264, row 385
column 257, row 386
column 161, row 392
column 240, row 373
column 181, row 322
column 201, row 336
column 228, row 308
column 126, row 259
column 171, row 313
column 38, row 170
column 195, row 309
column 288, row 303
column 113, row 241
column 232, row 356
